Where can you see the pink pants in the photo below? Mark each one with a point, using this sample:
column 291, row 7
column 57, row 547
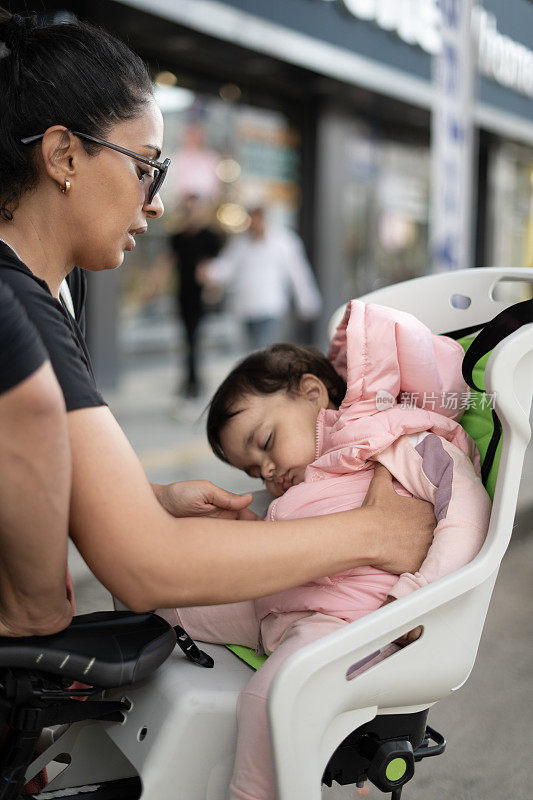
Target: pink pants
column 281, row 634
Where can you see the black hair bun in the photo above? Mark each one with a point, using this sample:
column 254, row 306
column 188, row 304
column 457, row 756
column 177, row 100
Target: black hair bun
column 13, row 29
column 57, row 71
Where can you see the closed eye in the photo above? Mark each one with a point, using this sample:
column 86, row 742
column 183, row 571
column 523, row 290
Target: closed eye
column 265, row 446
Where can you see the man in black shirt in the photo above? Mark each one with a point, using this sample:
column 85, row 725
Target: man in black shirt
column 194, row 244
column 34, row 481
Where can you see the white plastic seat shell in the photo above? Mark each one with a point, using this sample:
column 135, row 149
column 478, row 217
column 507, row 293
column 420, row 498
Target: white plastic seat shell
column 311, row 708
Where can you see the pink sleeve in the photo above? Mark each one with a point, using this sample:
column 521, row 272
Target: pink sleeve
column 433, row 469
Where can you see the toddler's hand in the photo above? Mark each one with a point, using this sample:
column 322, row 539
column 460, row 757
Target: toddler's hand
column 410, row 636
column 203, row 499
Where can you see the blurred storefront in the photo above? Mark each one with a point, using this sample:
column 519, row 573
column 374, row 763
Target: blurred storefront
column 230, row 155
column 320, row 109
column 364, row 75
column 510, row 211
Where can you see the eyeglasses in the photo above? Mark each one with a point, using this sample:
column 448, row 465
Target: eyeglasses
column 160, row 167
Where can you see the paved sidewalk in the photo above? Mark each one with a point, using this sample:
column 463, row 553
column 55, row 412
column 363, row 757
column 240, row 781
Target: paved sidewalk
column 487, row 725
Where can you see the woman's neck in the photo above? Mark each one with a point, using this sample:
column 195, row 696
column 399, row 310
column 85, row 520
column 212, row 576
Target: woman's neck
column 38, row 244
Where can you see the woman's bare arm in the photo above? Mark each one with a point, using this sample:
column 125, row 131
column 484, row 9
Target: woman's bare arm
column 34, row 500
column 149, row 559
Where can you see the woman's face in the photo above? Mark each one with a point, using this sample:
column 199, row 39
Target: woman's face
column 108, row 197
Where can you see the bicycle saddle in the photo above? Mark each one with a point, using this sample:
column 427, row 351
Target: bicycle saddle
column 105, row 649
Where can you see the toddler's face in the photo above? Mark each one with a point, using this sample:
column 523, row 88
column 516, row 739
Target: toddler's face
column 273, row 436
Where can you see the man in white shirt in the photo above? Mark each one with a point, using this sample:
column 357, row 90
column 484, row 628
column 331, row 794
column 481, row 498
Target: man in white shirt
column 261, row 269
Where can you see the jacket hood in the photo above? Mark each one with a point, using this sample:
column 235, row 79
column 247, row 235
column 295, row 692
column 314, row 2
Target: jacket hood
column 383, row 353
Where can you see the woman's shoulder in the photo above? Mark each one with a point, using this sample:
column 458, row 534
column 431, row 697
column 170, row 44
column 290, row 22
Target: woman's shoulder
column 22, row 351
column 31, row 292
column 34, row 292
column 60, row 333
column 13, row 270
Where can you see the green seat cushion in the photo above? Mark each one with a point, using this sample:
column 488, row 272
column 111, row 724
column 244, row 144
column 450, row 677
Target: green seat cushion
column 248, row 655
column 477, row 419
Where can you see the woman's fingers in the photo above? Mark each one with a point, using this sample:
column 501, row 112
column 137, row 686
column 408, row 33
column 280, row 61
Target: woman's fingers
column 407, row 526
column 200, row 498
column 221, row 498
column 380, row 485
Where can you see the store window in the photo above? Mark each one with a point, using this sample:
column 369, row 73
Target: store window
column 510, row 232
column 384, row 205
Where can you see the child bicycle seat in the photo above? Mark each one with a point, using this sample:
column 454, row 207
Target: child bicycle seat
column 313, row 704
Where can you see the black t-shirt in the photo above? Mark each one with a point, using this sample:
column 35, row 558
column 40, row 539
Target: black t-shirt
column 21, row 349
column 191, row 249
column 61, row 335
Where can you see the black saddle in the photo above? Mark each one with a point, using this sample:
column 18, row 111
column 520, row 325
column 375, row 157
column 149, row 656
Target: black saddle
column 105, row 649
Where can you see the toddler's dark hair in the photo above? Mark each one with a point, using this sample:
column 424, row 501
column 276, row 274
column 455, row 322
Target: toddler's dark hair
column 276, row 368
column 70, row 74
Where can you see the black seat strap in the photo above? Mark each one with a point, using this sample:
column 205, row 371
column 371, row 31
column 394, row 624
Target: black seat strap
column 490, row 334
column 491, row 449
column 460, row 332
column 191, row 650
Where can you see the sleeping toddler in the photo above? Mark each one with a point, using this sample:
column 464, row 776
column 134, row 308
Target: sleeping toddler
column 313, row 429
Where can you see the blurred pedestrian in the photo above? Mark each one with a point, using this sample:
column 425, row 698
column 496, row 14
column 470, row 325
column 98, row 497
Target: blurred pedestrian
column 261, row 269
column 189, row 249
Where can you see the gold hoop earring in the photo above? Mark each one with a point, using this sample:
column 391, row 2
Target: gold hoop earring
column 66, row 188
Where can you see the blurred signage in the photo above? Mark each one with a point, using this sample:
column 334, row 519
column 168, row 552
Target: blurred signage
column 499, row 57
column 417, row 22
column 452, row 163
column 420, row 22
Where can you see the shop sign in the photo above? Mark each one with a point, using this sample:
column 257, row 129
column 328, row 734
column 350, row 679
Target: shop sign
column 499, row 57
column 416, row 22
column 420, row 22
column 452, row 163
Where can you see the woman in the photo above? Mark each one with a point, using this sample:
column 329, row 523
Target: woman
column 80, row 138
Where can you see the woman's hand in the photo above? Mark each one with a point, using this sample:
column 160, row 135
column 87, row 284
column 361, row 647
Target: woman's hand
column 203, row 499
column 404, row 525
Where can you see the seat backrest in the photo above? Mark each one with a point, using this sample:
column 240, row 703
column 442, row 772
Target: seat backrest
column 452, row 301
column 449, row 301
column 313, row 686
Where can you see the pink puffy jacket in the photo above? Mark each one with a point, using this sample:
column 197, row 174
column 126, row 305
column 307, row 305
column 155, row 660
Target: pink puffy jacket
column 383, row 353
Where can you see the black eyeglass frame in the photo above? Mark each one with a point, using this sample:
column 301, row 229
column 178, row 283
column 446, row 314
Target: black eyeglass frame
column 160, row 167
